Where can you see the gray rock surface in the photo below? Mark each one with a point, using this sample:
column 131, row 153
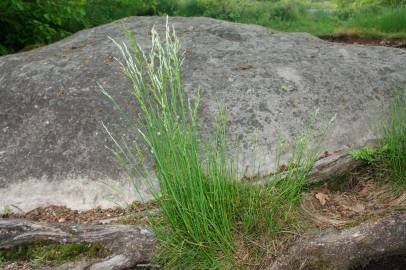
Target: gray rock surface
column 52, row 146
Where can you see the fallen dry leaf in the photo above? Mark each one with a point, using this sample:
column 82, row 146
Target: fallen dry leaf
column 356, row 207
column 244, row 66
column 323, row 198
column 324, row 155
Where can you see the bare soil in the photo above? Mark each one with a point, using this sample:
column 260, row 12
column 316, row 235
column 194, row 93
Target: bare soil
column 395, row 43
column 62, row 214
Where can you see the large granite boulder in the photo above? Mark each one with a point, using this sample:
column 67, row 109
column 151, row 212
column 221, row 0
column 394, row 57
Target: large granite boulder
column 52, row 145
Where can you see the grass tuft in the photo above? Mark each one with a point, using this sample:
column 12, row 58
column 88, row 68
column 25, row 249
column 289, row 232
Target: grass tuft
column 206, row 212
column 197, row 194
column 393, row 152
column 390, row 156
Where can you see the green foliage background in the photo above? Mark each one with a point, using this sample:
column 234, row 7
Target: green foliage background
column 38, row 22
column 31, row 23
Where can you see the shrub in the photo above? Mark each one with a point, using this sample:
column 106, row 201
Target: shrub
column 287, row 11
column 99, row 12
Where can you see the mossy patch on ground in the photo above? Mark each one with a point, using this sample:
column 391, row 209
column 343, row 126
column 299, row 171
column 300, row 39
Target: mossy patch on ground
column 53, row 253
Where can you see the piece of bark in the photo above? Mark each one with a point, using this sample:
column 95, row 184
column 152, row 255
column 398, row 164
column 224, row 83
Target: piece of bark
column 337, row 164
column 347, row 248
column 334, row 164
column 130, row 245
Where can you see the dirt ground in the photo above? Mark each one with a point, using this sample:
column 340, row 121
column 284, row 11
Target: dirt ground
column 395, row 43
column 350, row 200
column 62, row 214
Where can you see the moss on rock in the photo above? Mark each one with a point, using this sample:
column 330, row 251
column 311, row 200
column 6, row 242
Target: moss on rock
column 53, row 253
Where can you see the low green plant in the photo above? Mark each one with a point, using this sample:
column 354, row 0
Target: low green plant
column 204, row 206
column 365, row 153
